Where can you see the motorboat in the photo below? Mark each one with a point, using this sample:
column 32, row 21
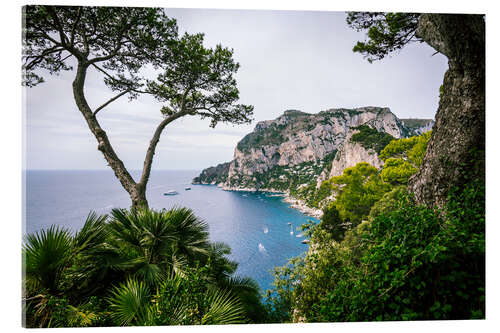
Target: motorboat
column 171, row 192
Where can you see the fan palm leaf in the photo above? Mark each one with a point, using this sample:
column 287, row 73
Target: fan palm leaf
column 93, row 234
column 224, row 308
column 190, row 231
column 129, row 302
column 46, row 254
column 220, row 264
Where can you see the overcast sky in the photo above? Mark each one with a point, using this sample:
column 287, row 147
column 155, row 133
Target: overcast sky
column 289, row 60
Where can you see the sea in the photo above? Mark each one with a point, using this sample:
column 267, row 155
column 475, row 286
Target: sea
column 262, row 231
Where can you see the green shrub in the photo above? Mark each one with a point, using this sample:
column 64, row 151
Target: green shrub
column 397, row 171
column 411, row 149
column 115, row 271
column 409, row 262
column 357, row 189
column 370, row 138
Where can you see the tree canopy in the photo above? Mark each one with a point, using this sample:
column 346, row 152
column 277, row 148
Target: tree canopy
column 120, row 39
column 357, row 189
column 386, row 32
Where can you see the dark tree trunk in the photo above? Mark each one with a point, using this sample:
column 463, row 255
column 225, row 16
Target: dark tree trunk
column 136, row 191
column 456, row 147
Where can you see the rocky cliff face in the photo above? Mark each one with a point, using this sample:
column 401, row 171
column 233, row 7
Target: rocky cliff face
column 297, row 137
column 417, row 126
column 213, row 175
column 349, row 154
column 289, row 154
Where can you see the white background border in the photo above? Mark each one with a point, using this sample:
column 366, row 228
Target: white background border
column 11, row 154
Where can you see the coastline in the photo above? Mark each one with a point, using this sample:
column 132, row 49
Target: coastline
column 302, row 207
column 297, row 204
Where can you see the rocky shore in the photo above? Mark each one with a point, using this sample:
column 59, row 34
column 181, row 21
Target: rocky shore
column 297, row 204
column 302, row 207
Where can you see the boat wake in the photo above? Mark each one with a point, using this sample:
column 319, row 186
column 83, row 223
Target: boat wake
column 262, row 249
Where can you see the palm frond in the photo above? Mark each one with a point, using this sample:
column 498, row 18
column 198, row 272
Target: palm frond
column 46, row 254
column 237, row 283
column 80, row 318
column 129, row 301
column 93, row 233
column 191, row 233
column 151, row 274
column 123, row 228
column 224, row 308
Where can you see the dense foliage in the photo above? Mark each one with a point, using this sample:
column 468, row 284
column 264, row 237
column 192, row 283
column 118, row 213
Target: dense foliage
column 370, row 138
column 140, row 267
column 409, row 262
column 356, row 190
column 403, row 157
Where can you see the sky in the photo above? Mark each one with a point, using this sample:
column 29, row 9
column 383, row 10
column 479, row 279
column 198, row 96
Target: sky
column 289, row 60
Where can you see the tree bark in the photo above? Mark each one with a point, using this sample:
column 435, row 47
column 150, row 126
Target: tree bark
column 456, row 148
column 136, row 191
column 148, row 160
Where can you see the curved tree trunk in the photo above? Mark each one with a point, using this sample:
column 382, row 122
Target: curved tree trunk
column 457, row 142
column 136, row 191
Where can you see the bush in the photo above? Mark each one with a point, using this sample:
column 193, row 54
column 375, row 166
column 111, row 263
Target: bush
column 332, row 223
column 409, row 149
column 357, row 189
column 370, row 138
column 408, row 262
column 397, row 171
column 113, row 271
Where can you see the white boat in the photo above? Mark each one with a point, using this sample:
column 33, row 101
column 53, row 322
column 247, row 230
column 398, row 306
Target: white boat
column 171, row 192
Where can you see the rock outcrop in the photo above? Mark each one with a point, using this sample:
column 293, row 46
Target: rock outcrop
column 213, row 175
column 348, row 155
column 417, row 126
column 297, row 137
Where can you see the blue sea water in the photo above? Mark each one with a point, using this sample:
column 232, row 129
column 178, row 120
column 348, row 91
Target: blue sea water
column 255, row 225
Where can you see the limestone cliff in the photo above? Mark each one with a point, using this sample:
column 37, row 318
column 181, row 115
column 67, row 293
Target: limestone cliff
column 213, row 175
column 297, row 137
column 348, row 155
column 290, row 153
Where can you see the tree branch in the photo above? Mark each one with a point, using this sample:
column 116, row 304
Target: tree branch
column 106, row 57
column 119, row 44
column 73, row 28
column 58, row 26
column 148, row 160
column 111, row 100
column 39, row 58
column 118, row 80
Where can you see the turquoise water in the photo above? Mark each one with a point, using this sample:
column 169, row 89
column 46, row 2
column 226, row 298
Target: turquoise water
column 255, row 225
